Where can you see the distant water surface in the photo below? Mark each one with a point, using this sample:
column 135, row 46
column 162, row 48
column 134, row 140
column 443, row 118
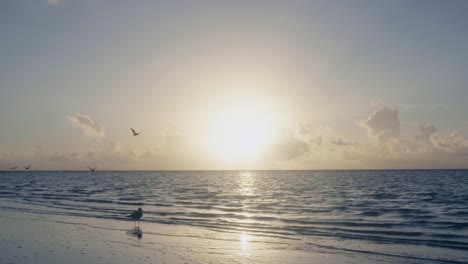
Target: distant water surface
column 416, row 215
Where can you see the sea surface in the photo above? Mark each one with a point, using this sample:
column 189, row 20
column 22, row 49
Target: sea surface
column 405, row 216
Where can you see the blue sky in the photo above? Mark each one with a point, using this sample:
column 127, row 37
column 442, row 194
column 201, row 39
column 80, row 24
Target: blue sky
column 165, row 66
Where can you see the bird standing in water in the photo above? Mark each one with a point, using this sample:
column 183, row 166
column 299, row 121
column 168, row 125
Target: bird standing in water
column 136, row 216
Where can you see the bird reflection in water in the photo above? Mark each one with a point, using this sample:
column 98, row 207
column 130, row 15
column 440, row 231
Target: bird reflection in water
column 136, row 232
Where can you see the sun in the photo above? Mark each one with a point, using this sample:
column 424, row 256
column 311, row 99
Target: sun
column 242, row 131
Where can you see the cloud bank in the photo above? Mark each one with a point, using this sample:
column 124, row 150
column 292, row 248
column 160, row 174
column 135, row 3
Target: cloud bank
column 376, row 144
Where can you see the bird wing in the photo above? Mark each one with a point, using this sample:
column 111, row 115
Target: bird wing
column 134, row 214
column 133, row 130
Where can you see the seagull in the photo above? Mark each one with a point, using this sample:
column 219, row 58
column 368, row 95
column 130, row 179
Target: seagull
column 27, row 168
column 136, row 216
column 14, row 168
column 134, row 132
column 92, row 169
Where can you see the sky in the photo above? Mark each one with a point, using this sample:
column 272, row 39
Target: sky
column 233, row 84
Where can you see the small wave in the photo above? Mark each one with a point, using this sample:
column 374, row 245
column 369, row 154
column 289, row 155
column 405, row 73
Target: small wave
column 97, row 201
column 370, row 213
column 135, row 198
column 131, row 203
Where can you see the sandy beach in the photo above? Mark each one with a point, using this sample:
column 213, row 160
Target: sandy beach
column 38, row 236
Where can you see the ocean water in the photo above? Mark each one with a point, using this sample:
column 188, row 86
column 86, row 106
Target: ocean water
column 405, row 216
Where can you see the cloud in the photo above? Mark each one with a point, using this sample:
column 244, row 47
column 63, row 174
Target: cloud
column 326, row 148
column 426, row 149
column 307, row 146
column 288, row 148
column 340, row 142
column 317, row 141
column 315, row 135
column 88, row 126
column 426, row 130
column 383, row 124
column 299, row 142
column 106, row 153
column 454, row 140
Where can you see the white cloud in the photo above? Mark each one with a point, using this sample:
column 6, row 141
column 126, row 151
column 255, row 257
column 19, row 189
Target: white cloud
column 88, row 126
column 454, row 140
column 384, row 124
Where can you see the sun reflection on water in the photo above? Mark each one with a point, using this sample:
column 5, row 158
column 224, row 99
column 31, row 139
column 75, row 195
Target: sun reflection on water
column 246, row 189
column 244, row 240
column 246, row 183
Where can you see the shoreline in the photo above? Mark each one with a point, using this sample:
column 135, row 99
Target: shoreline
column 39, row 235
column 31, row 237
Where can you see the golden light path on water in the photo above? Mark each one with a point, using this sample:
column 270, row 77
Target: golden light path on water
column 244, row 240
column 246, row 189
column 246, row 184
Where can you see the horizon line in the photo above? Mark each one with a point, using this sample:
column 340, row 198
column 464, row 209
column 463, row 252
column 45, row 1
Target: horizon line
column 188, row 170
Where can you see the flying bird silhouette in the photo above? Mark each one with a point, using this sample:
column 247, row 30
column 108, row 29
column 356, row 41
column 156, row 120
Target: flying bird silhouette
column 27, row 168
column 14, row 168
column 134, row 132
column 92, row 169
column 136, row 216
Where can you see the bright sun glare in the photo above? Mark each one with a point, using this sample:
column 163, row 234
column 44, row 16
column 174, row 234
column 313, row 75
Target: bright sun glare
column 242, row 132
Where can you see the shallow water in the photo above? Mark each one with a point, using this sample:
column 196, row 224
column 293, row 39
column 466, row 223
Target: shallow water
column 419, row 216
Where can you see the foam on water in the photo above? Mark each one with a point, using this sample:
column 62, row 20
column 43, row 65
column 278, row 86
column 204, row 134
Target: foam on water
column 386, row 212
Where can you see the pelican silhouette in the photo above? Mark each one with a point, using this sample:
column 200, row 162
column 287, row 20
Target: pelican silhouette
column 27, row 168
column 92, row 169
column 14, row 168
column 136, row 216
column 134, row 132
